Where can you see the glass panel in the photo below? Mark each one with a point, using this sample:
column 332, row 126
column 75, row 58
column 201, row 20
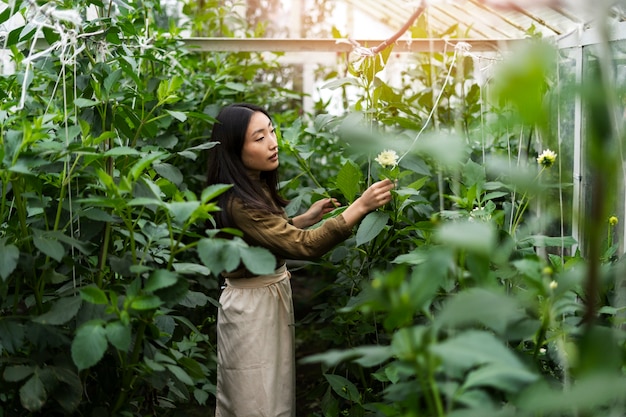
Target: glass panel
column 563, row 122
column 608, row 134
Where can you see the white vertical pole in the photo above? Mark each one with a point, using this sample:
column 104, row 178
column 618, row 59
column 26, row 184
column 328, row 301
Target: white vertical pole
column 578, row 205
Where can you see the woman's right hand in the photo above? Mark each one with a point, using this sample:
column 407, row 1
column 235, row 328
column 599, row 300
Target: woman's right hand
column 377, row 195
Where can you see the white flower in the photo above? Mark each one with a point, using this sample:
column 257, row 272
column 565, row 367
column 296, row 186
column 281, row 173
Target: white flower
column 553, row 285
column 387, row 159
column 479, row 213
column 546, row 158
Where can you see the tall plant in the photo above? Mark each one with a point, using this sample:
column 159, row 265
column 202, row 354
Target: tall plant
column 107, row 275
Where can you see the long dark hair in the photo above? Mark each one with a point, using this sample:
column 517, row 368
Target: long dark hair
column 226, row 167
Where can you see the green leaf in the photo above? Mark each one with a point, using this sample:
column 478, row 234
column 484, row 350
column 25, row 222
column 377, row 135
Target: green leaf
column 141, row 165
column 213, row 191
column 178, row 115
column 146, row 302
column 9, row 255
column 69, row 394
column 112, row 79
column 169, row 88
column 15, row 373
column 478, row 306
column 343, row 387
column 94, row 295
column 586, row 395
column 180, row 374
column 366, row 356
column 371, row 226
column 257, row 260
column 215, row 254
column 33, row 394
column 119, row 335
column 84, row 102
column 475, row 237
column 473, row 348
column 49, row 247
column 169, row 172
column 547, row 241
column 4, row 16
column 122, row 151
column 61, row 312
column 161, row 278
column 235, row 86
column 154, row 365
column 182, row 211
column 501, row 377
column 348, row 180
column 89, row 344
column 192, row 366
column 191, row 268
column 340, row 82
column 194, row 299
column 11, row 335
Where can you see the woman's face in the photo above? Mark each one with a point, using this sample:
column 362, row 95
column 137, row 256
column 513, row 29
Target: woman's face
column 260, row 147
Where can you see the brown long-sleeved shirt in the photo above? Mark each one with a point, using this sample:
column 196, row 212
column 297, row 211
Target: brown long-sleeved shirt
column 275, row 233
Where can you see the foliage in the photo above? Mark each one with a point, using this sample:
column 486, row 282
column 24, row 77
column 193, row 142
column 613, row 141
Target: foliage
column 108, row 278
column 464, row 296
column 455, row 299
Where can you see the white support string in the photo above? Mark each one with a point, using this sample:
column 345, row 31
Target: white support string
column 460, row 47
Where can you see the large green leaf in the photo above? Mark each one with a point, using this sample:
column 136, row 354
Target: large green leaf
column 94, row 295
column 212, row 191
column 11, row 335
column 589, row 392
column 257, row 260
column 475, row 237
column 180, row 374
column 366, row 356
column 481, row 307
column 473, row 348
column 161, row 278
column 548, row 241
column 343, row 387
column 371, row 226
column 9, row 255
column 146, row 161
column 69, row 393
column 501, row 377
column 62, row 311
column 169, row 172
column 146, row 302
column 181, row 211
column 218, row 255
column 119, row 334
column 89, row 344
column 15, row 373
column 33, row 394
column 49, row 247
column 349, row 180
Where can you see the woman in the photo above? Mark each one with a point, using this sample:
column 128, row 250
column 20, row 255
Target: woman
column 255, row 325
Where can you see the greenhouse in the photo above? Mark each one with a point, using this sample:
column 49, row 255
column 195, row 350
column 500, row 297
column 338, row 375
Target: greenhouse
column 312, row 208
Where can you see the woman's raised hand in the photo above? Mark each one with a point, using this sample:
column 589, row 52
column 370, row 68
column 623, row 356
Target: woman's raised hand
column 377, row 195
column 315, row 213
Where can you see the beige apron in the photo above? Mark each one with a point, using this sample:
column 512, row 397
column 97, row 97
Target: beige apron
column 255, row 348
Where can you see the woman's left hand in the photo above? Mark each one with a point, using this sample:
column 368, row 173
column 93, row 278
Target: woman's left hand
column 315, row 213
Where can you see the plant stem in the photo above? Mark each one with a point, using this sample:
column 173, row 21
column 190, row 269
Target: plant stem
column 129, row 370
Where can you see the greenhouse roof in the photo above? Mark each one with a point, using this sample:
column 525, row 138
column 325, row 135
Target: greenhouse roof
column 487, row 25
column 495, row 19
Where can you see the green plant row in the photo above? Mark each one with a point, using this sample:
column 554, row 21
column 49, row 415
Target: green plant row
column 107, row 272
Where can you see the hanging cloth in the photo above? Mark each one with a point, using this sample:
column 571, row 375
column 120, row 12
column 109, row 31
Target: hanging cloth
column 256, row 347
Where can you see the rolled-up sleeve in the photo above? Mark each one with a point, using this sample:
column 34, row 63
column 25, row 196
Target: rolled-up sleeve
column 279, row 236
